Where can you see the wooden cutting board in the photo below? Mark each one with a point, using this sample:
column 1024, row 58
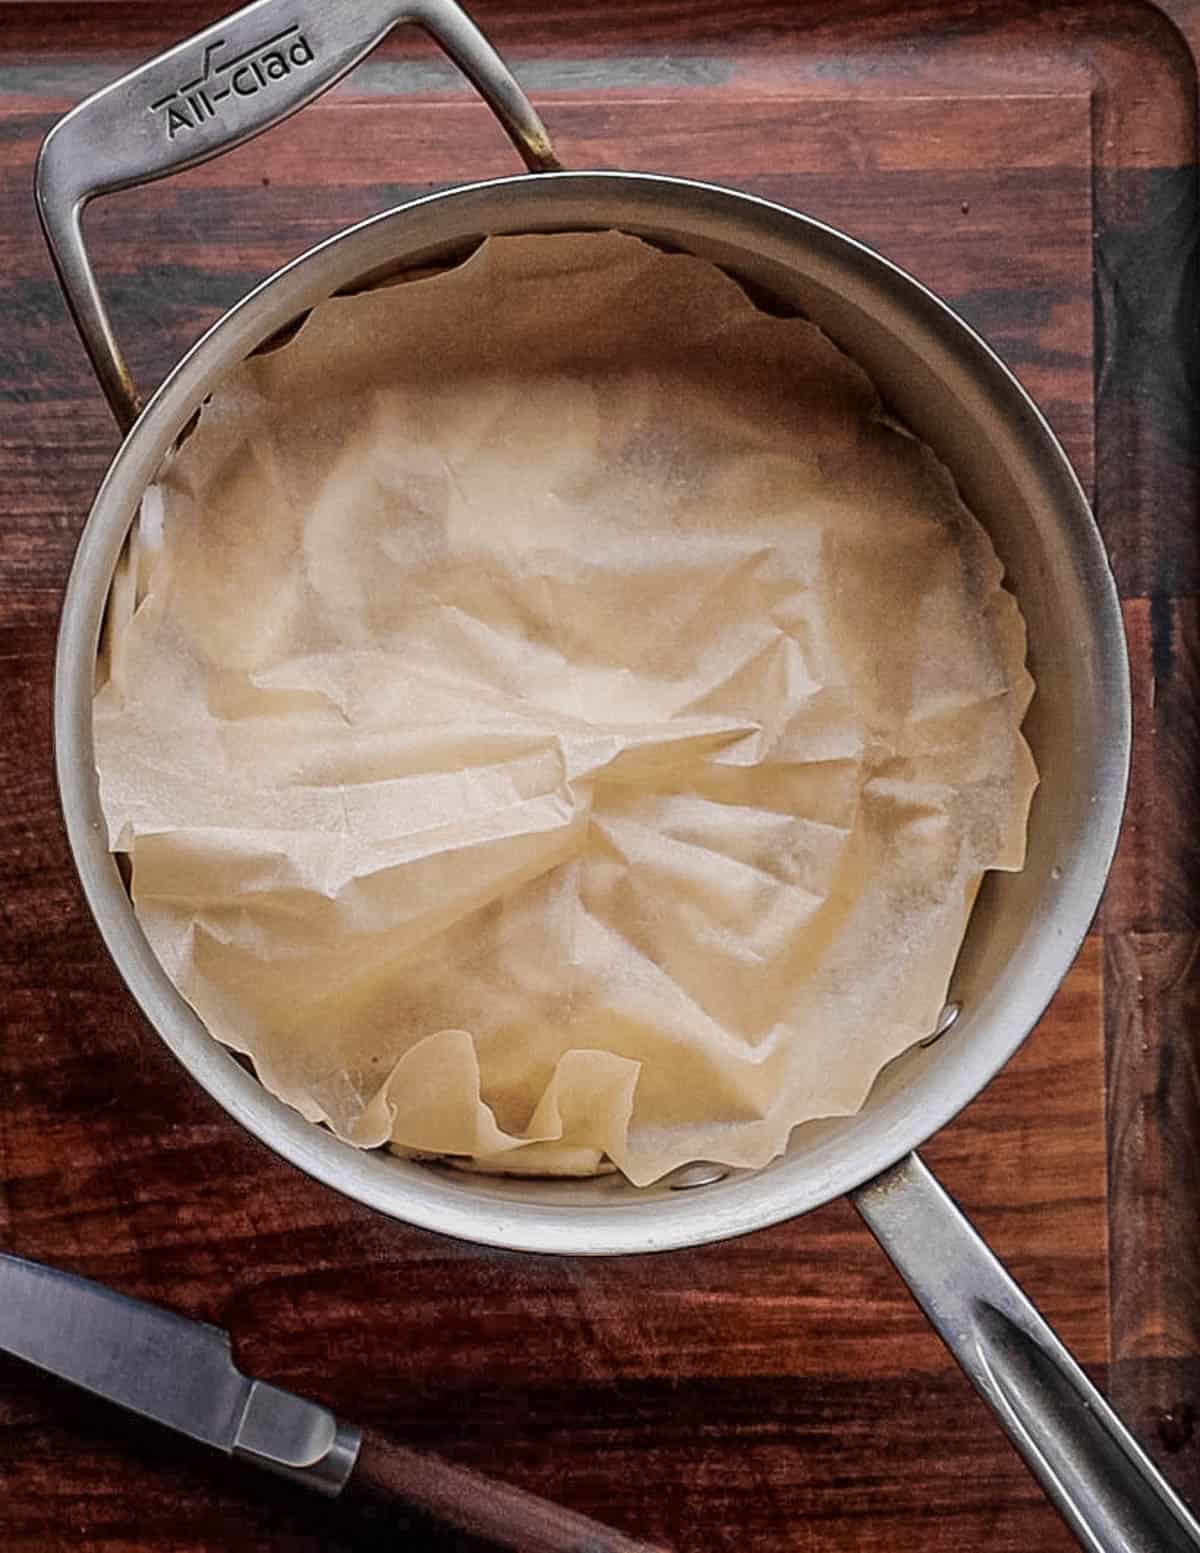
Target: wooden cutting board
column 1035, row 163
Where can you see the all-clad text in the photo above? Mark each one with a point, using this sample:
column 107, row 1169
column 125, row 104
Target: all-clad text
column 245, row 75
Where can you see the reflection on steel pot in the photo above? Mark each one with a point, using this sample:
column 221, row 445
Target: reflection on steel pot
column 945, row 384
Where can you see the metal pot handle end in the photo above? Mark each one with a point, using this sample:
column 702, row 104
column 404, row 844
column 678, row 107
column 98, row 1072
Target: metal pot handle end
column 1102, row 1482
column 211, row 93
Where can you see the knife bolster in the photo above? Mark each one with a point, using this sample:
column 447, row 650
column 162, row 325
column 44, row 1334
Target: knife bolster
column 295, row 1439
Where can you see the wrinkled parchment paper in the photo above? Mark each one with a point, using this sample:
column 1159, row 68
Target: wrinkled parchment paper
column 555, row 718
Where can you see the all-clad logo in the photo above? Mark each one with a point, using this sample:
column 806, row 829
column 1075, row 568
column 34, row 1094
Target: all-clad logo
column 252, row 71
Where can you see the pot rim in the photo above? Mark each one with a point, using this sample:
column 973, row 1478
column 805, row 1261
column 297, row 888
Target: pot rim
column 606, row 1216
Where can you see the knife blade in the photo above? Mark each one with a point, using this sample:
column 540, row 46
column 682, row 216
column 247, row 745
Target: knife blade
column 181, row 1373
column 169, row 1369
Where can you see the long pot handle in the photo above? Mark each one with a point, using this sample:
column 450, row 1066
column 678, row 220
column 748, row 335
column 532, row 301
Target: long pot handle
column 216, row 90
column 1109, row 1492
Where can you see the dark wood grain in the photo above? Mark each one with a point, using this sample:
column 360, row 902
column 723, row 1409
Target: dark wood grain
column 1149, row 496
column 1036, row 164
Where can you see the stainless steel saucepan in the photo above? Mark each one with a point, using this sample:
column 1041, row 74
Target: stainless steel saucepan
column 245, row 74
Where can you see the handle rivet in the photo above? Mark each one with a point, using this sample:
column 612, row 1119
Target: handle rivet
column 945, row 1021
column 698, row 1175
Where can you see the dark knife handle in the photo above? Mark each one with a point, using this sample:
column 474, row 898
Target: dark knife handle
column 495, row 1512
